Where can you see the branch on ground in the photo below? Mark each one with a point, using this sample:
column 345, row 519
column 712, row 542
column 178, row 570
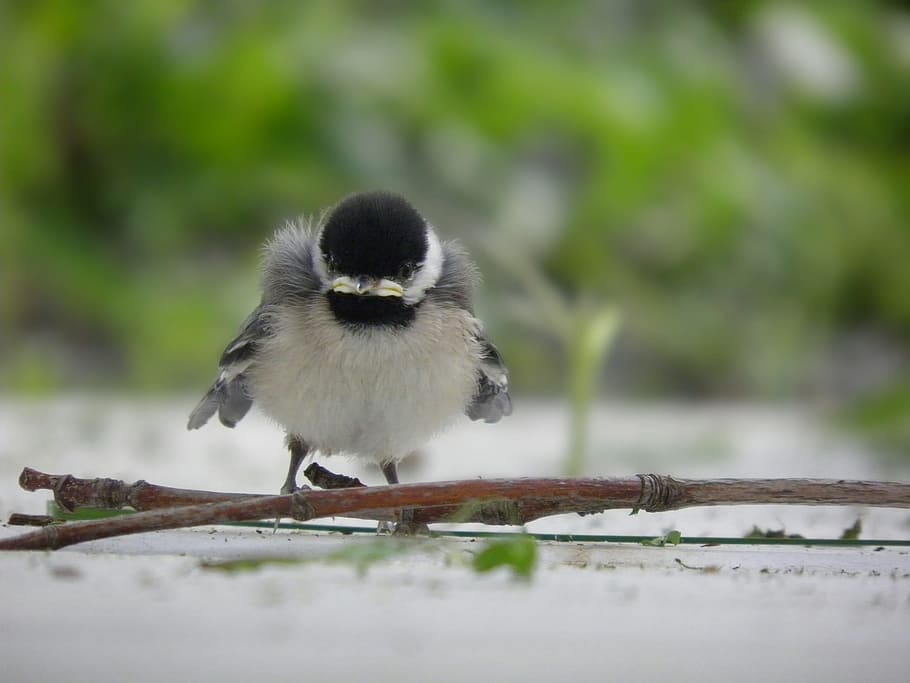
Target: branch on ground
column 497, row 501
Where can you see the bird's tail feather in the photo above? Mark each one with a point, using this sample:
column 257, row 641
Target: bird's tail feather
column 229, row 398
column 203, row 410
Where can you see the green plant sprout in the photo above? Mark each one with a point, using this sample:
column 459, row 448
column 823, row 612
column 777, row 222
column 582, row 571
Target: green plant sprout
column 583, row 327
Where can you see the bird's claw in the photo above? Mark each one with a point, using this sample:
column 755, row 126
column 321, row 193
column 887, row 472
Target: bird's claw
column 411, row 529
column 288, row 489
column 407, row 526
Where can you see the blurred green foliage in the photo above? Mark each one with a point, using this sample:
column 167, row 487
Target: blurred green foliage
column 734, row 177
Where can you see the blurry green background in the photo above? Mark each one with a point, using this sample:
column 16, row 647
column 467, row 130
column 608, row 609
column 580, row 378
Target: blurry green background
column 732, row 179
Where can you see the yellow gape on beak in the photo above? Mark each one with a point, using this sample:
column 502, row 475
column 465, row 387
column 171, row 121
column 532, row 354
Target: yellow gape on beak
column 366, row 286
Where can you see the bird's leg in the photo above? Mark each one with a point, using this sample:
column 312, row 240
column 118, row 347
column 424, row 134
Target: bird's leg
column 406, row 525
column 390, row 472
column 298, row 451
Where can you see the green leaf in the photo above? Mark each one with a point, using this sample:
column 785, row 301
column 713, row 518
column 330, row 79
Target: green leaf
column 852, row 533
column 518, row 554
column 673, row 537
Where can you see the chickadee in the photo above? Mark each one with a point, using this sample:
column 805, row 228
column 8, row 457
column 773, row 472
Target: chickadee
column 365, row 341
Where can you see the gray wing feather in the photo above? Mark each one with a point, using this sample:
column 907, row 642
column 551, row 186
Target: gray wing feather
column 288, row 275
column 491, row 400
column 228, row 395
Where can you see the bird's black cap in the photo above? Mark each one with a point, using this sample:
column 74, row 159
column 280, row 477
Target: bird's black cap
column 374, row 233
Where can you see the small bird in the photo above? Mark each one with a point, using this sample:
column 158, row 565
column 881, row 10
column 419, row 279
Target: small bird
column 365, row 341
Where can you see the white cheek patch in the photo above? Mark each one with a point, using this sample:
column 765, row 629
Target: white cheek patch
column 429, row 271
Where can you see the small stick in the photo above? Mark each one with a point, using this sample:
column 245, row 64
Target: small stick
column 72, row 493
column 326, row 479
column 503, row 501
column 113, row 494
column 514, row 501
column 19, row 519
column 663, row 492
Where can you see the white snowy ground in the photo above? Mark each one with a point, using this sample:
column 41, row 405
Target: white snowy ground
column 146, row 608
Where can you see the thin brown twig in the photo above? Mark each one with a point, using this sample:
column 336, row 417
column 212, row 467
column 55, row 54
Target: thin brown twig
column 19, row 519
column 509, row 501
column 504, row 501
column 71, row 493
column 113, row 494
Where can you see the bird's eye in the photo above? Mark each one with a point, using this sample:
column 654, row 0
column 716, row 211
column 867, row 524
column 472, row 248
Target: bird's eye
column 330, row 263
column 407, row 271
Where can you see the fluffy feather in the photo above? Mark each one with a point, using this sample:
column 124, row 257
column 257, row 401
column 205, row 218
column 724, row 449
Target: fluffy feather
column 368, row 388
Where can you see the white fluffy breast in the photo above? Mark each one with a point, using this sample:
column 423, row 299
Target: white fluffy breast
column 378, row 393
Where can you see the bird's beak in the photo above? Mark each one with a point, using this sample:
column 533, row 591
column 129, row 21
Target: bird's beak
column 366, row 286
